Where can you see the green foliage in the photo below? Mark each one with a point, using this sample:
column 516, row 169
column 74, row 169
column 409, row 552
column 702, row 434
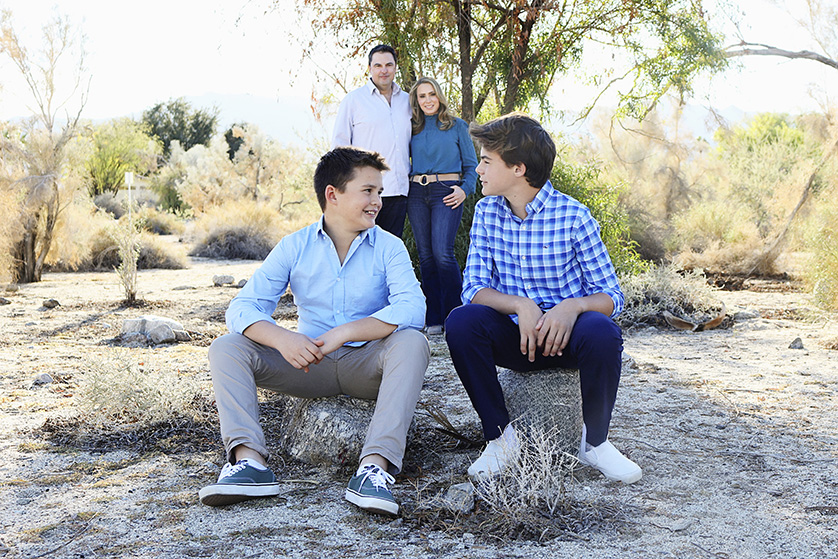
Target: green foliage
column 119, row 146
column 583, row 183
column 511, row 52
column 176, row 120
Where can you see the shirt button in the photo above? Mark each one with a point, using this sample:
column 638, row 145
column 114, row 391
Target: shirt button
column 338, row 279
column 523, row 258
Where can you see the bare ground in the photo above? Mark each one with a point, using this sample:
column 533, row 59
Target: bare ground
column 736, row 432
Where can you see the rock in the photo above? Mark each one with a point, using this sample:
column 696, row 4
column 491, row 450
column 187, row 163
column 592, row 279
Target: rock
column 183, row 288
column 43, row 378
column 796, row 344
column 158, row 329
column 51, row 303
column 12, row 288
column 4, row 301
column 547, row 402
column 327, row 431
column 242, row 283
column 134, row 339
column 459, row 499
column 161, row 333
column 220, row 280
column 747, row 314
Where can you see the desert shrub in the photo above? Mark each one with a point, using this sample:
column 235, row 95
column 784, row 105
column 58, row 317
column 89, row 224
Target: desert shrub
column 159, row 223
column 582, row 182
column 126, row 238
column 660, row 288
column 9, row 208
column 122, row 391
column 533, row 500
column 101, row 253
column 822, row 272
column 242, row 229
column 110, row 204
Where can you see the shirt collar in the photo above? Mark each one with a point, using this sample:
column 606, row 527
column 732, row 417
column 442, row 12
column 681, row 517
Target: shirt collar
column 544, row 194
column 363, row 235
column 371, row 87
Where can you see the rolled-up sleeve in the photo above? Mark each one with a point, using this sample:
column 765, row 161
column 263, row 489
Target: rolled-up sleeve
column 405, row 302
column 468, row 158
column 597, row 270
column 258, row 298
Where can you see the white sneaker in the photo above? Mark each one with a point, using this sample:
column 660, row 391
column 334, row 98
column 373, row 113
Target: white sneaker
column 608, row 460
column 498, row 455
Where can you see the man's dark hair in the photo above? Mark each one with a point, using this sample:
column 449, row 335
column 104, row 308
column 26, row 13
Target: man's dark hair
column 338, row 166
column 519, row 138
column 382, row 48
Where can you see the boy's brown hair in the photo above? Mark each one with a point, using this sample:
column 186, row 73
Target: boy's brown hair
column 519, row 138
column 337, row 167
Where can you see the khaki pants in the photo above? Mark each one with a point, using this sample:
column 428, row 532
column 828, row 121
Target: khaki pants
column 389, row 370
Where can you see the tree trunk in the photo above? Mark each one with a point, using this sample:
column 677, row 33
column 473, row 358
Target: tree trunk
column 463, row 10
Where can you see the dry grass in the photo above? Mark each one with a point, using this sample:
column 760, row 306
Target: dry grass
column 241, row 229
column 665, row 288
column 121, row 391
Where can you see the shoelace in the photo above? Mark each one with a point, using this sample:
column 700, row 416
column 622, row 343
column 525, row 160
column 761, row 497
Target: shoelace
column 377, row 476
column 229, row 470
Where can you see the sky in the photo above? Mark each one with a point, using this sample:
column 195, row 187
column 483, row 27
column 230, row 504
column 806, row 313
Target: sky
column 233, row 55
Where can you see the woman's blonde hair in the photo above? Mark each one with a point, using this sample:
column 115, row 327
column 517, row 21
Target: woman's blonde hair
column 417, row 119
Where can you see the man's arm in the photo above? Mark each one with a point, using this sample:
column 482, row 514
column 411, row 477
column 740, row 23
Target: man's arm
column 342, row 133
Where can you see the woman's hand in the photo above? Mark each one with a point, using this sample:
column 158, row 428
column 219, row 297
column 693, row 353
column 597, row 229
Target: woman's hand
column 456, row 198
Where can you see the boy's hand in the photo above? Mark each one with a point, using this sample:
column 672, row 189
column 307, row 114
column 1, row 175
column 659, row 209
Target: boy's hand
column 299, row 350
column 556, row 325
column 330, row 341
column 529, row 316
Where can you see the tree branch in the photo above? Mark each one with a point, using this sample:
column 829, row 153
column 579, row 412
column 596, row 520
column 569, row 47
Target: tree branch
column 745, row 49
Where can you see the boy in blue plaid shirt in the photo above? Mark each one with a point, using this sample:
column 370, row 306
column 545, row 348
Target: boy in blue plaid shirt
column 540, row 292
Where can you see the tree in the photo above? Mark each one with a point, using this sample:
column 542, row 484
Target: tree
column 510, row 52
column 177, row 120
column 119, row 146
column 38, row 150
column 821, row 21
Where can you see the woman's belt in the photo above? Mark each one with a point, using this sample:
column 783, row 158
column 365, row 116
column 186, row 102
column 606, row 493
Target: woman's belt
column 434, row 177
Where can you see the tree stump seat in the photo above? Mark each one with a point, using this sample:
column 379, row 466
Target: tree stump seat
column 548, row 402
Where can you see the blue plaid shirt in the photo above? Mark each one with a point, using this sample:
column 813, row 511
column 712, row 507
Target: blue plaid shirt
column 554, row 254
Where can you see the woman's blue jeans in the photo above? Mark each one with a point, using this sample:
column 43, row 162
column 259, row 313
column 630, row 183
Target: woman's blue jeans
column 434, row 228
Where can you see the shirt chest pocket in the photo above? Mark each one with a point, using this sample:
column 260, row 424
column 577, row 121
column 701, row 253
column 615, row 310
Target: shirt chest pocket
column 365, row 293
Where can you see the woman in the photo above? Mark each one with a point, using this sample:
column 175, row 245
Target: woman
column 442, row 174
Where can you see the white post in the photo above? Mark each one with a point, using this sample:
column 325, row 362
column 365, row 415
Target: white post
column 129, row 180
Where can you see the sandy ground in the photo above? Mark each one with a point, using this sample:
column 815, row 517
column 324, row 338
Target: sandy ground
column 736, row 432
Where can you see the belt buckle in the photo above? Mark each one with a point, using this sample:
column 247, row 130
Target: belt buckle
column 425, row 179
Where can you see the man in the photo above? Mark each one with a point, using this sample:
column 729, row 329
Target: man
column 376, row 116
column 540, row 292
column 360, row 308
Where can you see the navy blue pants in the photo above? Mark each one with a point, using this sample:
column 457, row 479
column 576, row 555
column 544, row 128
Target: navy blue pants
column 392, row 214
column 479, row 338
column 434, row 229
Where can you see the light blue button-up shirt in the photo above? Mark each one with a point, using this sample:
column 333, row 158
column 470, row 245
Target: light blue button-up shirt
column 376, row 280
column 556, row 253
column 366, row 120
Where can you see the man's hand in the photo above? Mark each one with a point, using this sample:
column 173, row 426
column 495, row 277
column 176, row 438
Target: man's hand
column 529, row 316
column 556, row 325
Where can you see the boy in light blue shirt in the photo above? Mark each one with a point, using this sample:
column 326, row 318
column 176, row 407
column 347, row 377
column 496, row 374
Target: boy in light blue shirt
column 360, row 309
